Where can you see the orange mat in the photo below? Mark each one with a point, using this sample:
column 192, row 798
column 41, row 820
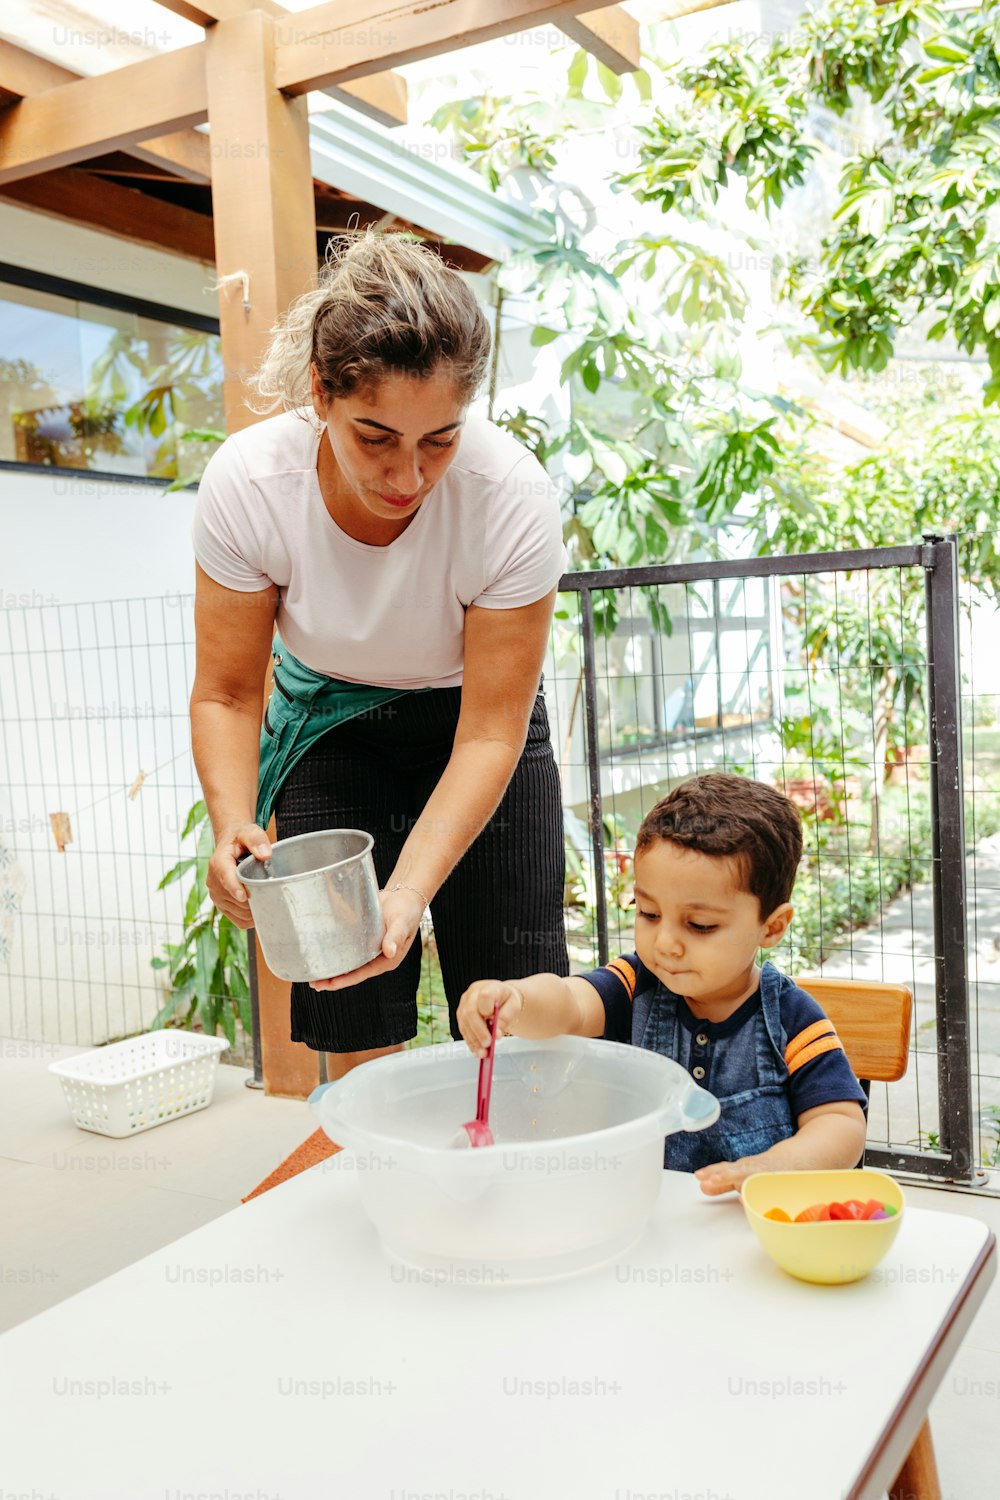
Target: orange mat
column 316, row 1149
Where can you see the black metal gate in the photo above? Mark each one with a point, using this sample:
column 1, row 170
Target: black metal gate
column 937, row 556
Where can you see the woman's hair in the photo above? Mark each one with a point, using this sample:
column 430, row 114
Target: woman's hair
column 385, row 305
column 749, row 822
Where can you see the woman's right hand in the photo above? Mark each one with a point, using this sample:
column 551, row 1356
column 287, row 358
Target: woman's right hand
column 224, row 885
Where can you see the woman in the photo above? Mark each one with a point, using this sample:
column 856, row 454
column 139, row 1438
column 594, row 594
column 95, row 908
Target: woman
column 409, row 552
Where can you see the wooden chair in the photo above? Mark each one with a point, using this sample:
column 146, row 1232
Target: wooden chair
column 873, row 1022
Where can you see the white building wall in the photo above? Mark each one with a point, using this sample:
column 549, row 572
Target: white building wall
column 96, row 660
column 91, row 694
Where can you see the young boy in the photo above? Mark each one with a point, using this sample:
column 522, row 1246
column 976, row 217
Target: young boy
column 715, row 863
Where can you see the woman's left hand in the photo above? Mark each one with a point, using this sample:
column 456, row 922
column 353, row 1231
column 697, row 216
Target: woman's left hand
column 401, row 912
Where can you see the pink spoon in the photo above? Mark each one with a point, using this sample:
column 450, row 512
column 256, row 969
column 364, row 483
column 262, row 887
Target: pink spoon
column 478, row 1130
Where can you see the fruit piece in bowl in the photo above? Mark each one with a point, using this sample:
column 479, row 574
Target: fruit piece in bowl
column 824, row 1250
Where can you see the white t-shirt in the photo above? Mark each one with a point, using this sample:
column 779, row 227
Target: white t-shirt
column 489, row 533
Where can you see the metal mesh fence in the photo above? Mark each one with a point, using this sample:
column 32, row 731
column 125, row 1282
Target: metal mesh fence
column 97, row 781
column 797, row 712
column 818, row 683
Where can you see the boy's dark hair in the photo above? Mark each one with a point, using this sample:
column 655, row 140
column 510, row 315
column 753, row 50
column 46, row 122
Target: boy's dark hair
column 752, row 824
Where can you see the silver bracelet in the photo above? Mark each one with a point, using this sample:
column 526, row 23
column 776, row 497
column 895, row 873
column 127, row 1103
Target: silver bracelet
column 399, row 886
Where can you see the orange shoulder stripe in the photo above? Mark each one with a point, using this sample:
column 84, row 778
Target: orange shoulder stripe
column 815, row 1049
column 625, row 973
column 809, row 1034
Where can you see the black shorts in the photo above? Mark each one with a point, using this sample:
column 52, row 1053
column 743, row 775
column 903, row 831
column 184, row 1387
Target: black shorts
column 499, row 915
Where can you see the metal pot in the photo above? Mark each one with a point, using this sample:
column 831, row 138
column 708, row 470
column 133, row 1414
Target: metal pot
column 315, row 903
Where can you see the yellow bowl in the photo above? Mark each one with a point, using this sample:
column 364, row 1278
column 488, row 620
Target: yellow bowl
column 827, row 1252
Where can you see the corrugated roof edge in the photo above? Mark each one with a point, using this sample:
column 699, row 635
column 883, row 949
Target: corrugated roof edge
column 358, row 155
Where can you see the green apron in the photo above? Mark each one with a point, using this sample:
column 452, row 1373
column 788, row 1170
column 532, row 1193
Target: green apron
column 303, row 706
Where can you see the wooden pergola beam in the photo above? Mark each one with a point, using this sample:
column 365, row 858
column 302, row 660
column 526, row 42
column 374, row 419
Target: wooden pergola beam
column 342, row 40
column 121, row 164
column 381, row 97
column 185, row 153
column 24, row 72
column 67, row 124
column 210, row 11
column 331, row 44
column 611, row 35
column 126, row 213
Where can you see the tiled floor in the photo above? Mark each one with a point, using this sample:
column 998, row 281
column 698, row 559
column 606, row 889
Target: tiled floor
column 78, row 1207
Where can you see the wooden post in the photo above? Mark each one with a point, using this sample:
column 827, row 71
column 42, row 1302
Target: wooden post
column 265, row 235
column 262, row 196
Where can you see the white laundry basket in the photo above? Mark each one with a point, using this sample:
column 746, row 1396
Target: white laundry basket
column 131, row 1086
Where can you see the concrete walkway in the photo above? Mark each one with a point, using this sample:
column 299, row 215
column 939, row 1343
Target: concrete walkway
column 899, row 947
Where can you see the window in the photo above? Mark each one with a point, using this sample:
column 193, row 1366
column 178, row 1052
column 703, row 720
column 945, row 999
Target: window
column 107, row 385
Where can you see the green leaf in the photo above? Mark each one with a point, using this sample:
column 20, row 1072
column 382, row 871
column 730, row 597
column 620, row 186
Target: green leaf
column 610, row 82
column 206, row 957
column 930, row 74
column 610, row 462
column 606, row 532
column 206, row 848
column 178, row 1001
column 163, row 1016
column 953, row 50
column 541, row 335
column 238, row 986
column 195, row 816
column 196, row 895
column 577, row 73
column 175, row 872
column 228, row 1020
column 643, row 85
column 657, row 543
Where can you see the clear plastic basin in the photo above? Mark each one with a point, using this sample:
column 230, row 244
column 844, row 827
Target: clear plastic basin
column 579, row 1126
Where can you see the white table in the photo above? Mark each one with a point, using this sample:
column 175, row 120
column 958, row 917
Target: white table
column 277, row 1353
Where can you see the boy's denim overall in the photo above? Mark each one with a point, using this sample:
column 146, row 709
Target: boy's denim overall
column 752, row 1118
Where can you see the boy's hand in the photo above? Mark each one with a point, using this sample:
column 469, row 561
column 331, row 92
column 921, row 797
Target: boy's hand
column 830, row 1137
column 478, row 1002
column 726, row 1176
